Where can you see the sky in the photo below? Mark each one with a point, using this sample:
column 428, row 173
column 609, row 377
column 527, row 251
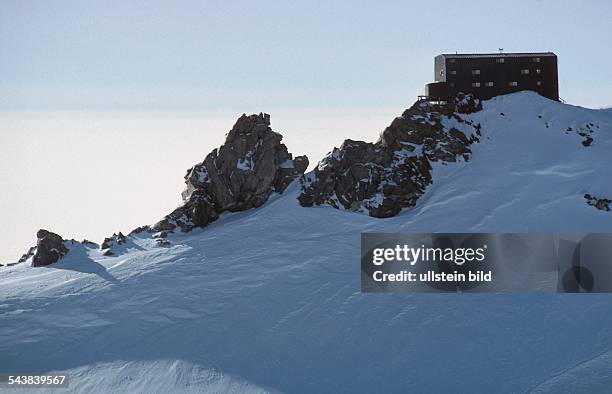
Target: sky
column 261, row 55
column 105, row 104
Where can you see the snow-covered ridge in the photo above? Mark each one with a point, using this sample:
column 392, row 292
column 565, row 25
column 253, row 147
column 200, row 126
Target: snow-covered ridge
column 268, row 299
column 393, row 174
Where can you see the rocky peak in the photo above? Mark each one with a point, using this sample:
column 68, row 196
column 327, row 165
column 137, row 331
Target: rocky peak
column 382, row 178
column 252, row 164
column 241, row 174
column 49, row 248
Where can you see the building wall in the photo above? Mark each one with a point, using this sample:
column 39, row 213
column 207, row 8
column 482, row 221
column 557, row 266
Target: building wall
column 440, row 68
column 489, row 76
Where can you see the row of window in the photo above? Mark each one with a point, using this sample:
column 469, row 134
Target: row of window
column 524, row 71
column 502, row 60
column 489, row 84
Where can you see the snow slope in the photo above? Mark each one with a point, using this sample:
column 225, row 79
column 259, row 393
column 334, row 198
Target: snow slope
column 269, row 299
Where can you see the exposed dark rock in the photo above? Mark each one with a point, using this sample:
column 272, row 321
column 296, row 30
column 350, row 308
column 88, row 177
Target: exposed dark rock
column 115, row 239
column 49, row 248
column 27, row 255
column 161, row 238
column 599, row 203
column 109, row 245
column 161, row 234
column 140, row 229
column 586, row 132
column 382, row 178
column 242, row 174
column 167, row 224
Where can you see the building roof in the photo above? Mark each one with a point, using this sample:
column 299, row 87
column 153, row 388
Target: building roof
column 484, row 55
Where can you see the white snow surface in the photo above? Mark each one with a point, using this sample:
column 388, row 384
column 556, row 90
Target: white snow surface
column 268, row 300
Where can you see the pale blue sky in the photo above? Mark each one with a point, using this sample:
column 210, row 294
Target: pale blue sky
column 226, row 55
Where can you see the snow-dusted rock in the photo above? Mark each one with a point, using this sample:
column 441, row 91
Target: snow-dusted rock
column 110, row 242
column 242, row 174
column 382, row 178
column 49, row 249
column 602, row 204
column 115, row 239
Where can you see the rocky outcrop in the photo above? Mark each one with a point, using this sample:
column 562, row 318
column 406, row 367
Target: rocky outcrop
column 115, row 239
column 377, row 178
column 49, row 248
column 242, row 174
column 109, row 242
column 382, row 178
column 602, row 204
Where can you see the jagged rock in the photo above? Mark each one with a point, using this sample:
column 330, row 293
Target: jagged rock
column 140, row 229
column 465, row 104
column 27, row 255
column 382, row 178
column 49, row 249
column 115, row 239
column 602, row 204
column 112, row 241
column 242, row 174
column 168, row 223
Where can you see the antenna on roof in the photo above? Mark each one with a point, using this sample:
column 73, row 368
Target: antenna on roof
column 500, row 50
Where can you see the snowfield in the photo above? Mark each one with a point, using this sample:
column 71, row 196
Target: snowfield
column 268, row 300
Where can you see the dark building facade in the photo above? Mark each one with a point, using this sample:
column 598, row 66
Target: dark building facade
column 492, row 74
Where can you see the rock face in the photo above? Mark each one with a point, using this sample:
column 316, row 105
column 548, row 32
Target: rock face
column 49, row 249
column 242, row 174
column 382, row 178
